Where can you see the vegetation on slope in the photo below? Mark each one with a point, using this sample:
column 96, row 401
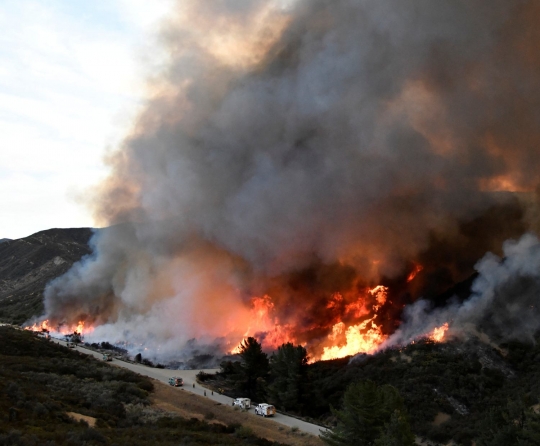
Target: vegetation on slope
column 42, row 383
column 28, row 264
column 451, row 391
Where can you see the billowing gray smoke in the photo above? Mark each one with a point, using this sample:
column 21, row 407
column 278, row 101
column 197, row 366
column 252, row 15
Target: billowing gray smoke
column 504, row 305
column 309, row 135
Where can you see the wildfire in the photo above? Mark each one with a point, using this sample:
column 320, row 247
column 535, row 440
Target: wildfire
column 360, row 339
column 43, row 326
column 437, row 335
column 352, row 330
column 414, row 272
column 263, row 321
column 380, row 294
column 236, row 350
column 364, row 337
column 62, row 329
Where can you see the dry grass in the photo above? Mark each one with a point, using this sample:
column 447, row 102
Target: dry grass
column 78, row 417
column 188, row 405
column 441, row 418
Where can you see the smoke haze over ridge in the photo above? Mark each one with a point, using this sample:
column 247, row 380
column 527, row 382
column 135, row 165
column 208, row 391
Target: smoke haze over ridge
column 302, row 149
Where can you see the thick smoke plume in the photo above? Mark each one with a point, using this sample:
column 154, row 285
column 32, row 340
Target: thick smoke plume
column 504, row 304
column 294, row 154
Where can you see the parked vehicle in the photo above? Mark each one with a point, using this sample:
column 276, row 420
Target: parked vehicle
column 107, row 357
column 242, row 403
column 176, row 381
column 265, row 410
column 71, row 345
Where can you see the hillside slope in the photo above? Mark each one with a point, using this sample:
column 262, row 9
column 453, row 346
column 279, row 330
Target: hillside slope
column 52, row 395
column 28, row 264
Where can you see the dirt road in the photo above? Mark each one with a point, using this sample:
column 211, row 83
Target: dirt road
column 181, row 400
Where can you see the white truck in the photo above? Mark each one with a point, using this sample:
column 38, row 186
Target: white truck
column 242, row 403
column 265, row 410
column 107, row 357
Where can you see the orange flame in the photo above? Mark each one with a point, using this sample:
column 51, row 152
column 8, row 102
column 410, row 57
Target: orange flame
column 360, row 339
column 380, row 294
column 364, row 337
column 62, row 329
column 43, row 326
column 438, row 334
column 414, row 272
column 262, row 321
column 236, row 350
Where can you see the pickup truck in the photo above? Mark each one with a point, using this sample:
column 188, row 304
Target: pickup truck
column 176, row 381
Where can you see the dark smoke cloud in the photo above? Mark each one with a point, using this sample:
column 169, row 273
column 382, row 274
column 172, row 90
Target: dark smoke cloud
column 284, row 136
column 504, row 304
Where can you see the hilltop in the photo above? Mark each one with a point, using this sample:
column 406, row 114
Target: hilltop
column 29, row 263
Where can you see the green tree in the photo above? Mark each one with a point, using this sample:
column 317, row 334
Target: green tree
column 254, row 365
column 514, row 424
column 396, row 432
column 371, row 415
column 288, row 368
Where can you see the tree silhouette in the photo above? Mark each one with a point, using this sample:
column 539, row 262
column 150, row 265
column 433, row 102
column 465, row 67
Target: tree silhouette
column 371, row 415
column 254, row 365
column 288, row 367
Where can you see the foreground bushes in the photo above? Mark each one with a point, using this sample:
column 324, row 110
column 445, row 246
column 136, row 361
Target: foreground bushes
column 40, row 382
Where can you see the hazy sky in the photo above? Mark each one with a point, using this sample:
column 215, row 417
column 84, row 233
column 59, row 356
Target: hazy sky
column 71, row 77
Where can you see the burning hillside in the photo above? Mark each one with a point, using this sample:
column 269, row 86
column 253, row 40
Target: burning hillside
column 306, row 171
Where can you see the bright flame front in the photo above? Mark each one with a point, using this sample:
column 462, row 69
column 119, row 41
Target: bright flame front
column 61, row 329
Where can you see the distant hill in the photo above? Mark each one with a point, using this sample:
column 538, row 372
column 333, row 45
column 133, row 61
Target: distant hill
column 2, row 240
column 28, row 264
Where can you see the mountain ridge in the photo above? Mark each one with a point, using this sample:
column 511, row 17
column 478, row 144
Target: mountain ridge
column 29, row 263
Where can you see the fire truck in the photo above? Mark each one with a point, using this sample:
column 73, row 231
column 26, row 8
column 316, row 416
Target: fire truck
column 265, row 410
column 242, row 403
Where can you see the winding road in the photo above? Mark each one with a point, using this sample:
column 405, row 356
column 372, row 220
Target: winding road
column 191, row 385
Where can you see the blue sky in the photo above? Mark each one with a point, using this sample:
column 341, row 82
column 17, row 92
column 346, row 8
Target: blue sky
column 71, row 80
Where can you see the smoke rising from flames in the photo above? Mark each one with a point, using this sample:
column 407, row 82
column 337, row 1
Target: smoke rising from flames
column 504, row 304
column 307, row 152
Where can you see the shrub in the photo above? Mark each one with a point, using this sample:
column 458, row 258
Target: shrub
column 243, row 432
column 85, row 436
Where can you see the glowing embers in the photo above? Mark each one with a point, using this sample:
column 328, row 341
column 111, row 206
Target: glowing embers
column 438, row 334
column 61, row 329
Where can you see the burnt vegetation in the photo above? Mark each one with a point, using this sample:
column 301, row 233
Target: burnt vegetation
column 42, row 383
column 460, row 391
